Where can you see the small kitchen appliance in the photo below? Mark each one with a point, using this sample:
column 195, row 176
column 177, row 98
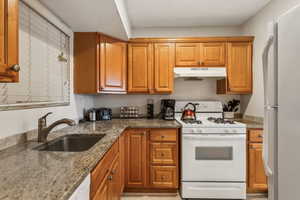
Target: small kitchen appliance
column 103, row 114
column 213, row 153
column 188, row 113
column 167, row 109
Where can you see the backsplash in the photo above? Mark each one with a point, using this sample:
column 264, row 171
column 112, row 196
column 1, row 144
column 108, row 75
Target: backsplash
column 183, row 90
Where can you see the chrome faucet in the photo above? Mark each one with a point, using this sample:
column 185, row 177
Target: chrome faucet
column 43, row 130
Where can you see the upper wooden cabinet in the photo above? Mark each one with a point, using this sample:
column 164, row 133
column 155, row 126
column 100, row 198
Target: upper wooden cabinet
column 164, row 60
column 9, row 41
column 239, row 70
column 140, row 67
column 100, row 64
column 150, row 67
column 200, row 54
column 113, row 67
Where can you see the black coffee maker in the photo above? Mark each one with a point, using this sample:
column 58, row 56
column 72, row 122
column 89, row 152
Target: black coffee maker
column 167, row 109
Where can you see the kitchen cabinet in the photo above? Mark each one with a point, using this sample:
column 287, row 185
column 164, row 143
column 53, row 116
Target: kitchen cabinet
column 140, row 68
column 239, row 70
column 150, row 67
column 100, row 64
column 136, row 158
column 257, row 180
column 9, row 41
column 106, row 178
column 164, row 60
column 152, row 159
column 210, row 54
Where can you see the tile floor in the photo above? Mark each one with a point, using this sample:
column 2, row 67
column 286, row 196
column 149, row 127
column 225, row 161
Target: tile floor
column 167, row 197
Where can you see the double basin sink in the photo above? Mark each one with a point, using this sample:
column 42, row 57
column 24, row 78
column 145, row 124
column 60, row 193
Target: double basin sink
column 71, row 143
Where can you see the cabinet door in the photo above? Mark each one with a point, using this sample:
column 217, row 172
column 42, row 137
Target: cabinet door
column 164, row 60
column 257, row 180
column 113, row 71
column 103, row 190
column 115, row 181
column 9, row 38
column 140, row 61
column 136, row 158
column 212, row 54
column 187, row 54
column 122, row 161
column 239, row 69
column 163, row 177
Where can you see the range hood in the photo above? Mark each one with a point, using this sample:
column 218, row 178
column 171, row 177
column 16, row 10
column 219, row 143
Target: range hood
column 200, row 72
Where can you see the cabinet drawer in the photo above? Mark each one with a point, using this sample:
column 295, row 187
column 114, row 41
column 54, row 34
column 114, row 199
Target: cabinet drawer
column 256, row 135
column 163, row 135
column 163, row 153
column 163, row 177
column 103, row 167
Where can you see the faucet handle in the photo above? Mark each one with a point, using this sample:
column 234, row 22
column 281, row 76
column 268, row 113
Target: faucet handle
column 45, row 116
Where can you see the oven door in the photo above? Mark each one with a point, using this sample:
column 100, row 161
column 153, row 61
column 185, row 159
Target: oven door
column 214, row 157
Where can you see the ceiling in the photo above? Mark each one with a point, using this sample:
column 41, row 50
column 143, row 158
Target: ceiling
column 191, row 13
column 91, row 15
column 119, row 17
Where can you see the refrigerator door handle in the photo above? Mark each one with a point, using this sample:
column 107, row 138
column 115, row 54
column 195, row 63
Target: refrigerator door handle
column 265, row 58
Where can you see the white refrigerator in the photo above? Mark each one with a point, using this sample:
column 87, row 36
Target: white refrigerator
column 281, row 68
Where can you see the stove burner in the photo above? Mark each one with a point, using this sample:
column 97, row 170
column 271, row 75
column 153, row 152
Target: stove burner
column 192, row 121
column 220, row 120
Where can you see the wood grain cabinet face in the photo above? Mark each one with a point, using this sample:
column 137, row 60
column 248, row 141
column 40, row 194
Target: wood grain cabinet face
column 113, row 67
column 140, row 60
column 163, row 177
column 257, row 178
column 187, row 54
column 163, row 153
column 9, row 40
column 164, row 61
column 136, row 158
column 239, row 69
column 212, row 54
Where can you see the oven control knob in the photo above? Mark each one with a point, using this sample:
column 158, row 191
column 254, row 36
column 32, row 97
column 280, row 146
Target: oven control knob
column 234, row 131
column 226, row 131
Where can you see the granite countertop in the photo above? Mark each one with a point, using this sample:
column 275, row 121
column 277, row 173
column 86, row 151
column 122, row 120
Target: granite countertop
column 27, row 174
column 251, row 124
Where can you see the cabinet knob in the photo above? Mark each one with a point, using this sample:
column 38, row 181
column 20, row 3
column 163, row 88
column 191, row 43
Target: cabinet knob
column 162, row 136
column 162, row 154
column 15, row 68
column 113, row 172
column 110, row 177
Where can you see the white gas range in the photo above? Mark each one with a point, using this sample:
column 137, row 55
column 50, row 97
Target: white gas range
column 213, row 153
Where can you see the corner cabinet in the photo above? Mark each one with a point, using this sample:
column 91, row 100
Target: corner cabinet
column 100, row 64
column 9, row 41
column 150, row 67
column 239, row 70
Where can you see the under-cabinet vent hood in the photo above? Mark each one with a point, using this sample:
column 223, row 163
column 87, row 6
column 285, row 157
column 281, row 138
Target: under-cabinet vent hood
column 200, row 72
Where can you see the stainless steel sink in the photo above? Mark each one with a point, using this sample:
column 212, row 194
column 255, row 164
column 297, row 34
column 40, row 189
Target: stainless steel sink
column 71, row 143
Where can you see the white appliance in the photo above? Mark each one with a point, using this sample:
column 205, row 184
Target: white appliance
column 199, row 72
column 83, row 190
column 281, row 67
column 213, row 153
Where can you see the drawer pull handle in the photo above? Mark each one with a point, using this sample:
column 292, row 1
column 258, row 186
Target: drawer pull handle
column 162, row 136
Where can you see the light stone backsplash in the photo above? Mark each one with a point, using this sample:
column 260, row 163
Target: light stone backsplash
column 183, row 90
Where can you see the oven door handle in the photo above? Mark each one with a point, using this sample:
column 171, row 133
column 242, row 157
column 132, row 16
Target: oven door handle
column 215, row 136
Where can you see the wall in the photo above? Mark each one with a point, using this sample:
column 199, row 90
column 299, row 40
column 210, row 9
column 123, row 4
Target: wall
column 257, row 26
column 19, row 121
column 183, row 90
column 186, row 32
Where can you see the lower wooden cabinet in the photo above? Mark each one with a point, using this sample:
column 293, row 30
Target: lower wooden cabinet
column 136, row 158
column 151, row 159
column 257, row 180
column 163, row 177
column 107, row 182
